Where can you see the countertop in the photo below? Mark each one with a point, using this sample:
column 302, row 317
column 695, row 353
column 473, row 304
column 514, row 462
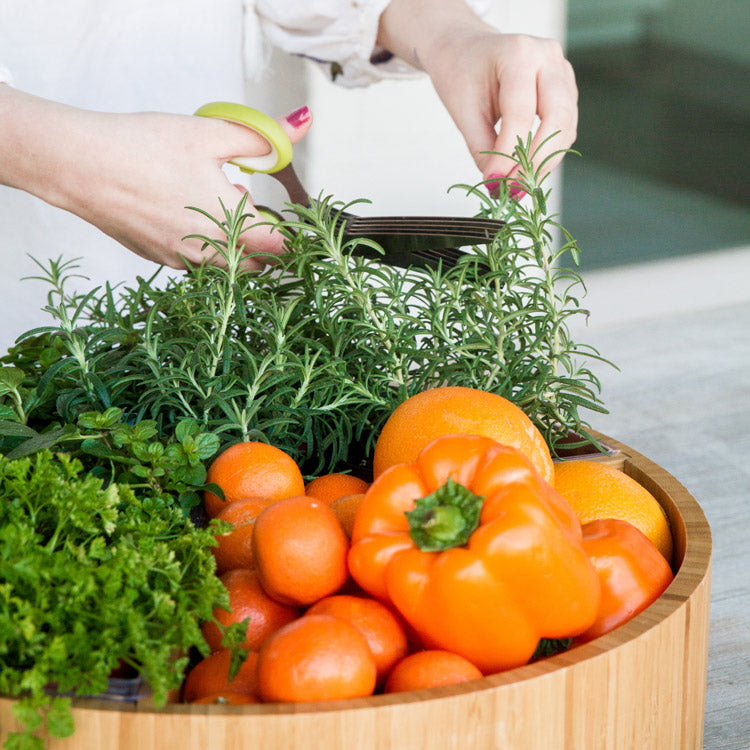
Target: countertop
column 682, row 398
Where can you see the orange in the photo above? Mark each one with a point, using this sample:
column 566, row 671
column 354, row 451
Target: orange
column 235, row 548
column 330, row 487
column 300, row 550
column 457, row 410
column 596, row 490
column 248, row 599
column 252, row 469
column 431, row 668
column 316, row 658
column 381, row 628
column 226, row 699
column 210, row 677
column 345, row 509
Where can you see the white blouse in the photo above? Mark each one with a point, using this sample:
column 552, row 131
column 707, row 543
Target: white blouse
column 170, row 56
column 337, row 34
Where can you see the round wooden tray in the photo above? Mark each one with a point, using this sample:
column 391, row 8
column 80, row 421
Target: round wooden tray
column 641, row 686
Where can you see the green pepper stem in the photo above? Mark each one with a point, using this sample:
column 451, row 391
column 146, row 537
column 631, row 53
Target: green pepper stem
column 446, row 518
column 444, row 522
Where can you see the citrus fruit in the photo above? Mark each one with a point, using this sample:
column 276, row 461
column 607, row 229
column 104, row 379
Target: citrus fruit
column 210, row 676
column 330, row 487
column 300, row 550
column 315, row 658
column 247, row 599
column 596, row 490
column 226, row 699
column 235, row 548
column 252, row 469
column 345, row 509
column 430, row 668
column 379, row 625
column 457, row 410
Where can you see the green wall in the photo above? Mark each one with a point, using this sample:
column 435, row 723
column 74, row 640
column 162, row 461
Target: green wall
column 716, row 27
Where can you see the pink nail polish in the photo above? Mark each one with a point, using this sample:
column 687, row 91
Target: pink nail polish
column 517, row 193
column 492, row 183
column 299, row 117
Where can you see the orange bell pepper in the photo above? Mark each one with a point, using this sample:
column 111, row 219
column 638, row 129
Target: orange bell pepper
column 476, row 551
column 632, row 573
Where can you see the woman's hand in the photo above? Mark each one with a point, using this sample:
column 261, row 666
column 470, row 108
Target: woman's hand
column 132, row 175
column 483, row 76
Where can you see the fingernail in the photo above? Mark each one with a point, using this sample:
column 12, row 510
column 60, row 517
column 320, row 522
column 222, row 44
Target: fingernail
column 299, row 117
column 517, row 193
column 492, row 183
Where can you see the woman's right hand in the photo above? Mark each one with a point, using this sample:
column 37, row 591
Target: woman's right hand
column 133, row 175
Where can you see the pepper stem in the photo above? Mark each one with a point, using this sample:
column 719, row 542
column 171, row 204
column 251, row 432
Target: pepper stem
column 446, row 518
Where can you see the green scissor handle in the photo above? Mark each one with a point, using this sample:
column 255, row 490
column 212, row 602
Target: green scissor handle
column 266, row 127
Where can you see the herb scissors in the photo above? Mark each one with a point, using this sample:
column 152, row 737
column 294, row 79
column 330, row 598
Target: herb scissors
column 405, row 240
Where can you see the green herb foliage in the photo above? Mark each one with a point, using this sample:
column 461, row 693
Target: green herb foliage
column 90, row 578
column 173, row 469
column 313, row 354
column 550, row 646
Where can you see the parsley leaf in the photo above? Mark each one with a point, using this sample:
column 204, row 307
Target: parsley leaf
column 92, row 576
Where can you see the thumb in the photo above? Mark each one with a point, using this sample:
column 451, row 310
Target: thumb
column 236, row 140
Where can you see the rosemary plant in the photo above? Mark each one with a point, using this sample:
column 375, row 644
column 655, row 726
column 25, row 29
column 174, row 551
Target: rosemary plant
column 313, row 354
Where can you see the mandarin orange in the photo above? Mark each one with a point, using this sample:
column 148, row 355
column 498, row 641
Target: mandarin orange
column 226, row 699
column 345, row 509
column 382, row 629
column 252, row 469
column 248, row 599
column 235, row 548
column 210, row 676
column 330, row 487
column 316, row 658
column 430, row 668
column 300, row 550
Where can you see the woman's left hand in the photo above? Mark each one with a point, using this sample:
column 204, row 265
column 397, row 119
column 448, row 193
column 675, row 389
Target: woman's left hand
column 485, row 78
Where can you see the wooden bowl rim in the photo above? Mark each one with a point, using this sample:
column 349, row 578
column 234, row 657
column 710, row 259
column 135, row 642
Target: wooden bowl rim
column 693, row 547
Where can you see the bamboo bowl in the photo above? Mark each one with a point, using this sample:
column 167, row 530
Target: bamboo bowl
column 640, row 686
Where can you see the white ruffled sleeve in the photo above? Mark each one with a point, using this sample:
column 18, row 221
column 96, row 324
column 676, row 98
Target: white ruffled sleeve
column 5, row 76
column 338, row 35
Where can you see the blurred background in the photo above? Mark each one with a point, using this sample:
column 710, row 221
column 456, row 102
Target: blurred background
column 664, row 128
column 659, row 201
column 661, row 194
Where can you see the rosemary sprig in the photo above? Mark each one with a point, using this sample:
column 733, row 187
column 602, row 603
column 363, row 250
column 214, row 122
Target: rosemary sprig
column 313, row 354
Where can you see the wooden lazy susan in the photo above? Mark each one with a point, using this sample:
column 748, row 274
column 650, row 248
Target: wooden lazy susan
column 640, row 686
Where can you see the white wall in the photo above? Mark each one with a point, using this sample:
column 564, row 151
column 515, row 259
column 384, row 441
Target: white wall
column 392, row 142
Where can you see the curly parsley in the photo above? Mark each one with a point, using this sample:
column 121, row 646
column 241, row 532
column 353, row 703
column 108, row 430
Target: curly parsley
column 91, row 577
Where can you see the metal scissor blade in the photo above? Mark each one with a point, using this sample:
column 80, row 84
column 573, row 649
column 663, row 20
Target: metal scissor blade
column 406, row 249
column 406, row 240
column 420, row 240
column 458, row 226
